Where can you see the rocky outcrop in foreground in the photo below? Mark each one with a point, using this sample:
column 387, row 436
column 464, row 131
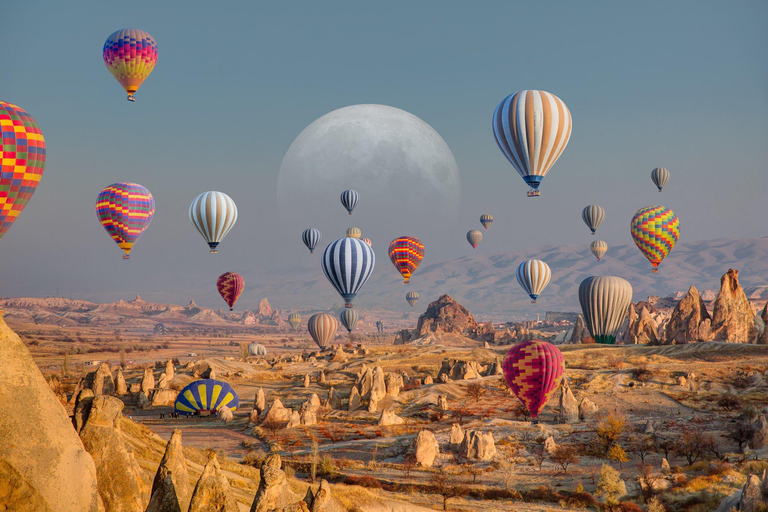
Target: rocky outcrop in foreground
column 690, row 321
column 274, row 492
column 212, row 492
column 170, row 489
column 733, row 319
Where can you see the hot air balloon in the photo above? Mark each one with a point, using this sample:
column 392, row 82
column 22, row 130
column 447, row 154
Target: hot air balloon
column 256, row 349
column 593, row 216
column 486, row 219
column 311, row 237
column 348, row 263
column 22, row 163
column 474, row 237
column 206, row 396
column 368, row 241
column 354, row 233
column 605, row 303
column 598, row 248
column 294, row 320
column 533, row 276
column 130, row 55
column 655, row 230
column 349, row 318
column 322, row 327
column 213, row 214
column 406, row 252
column 125, row 210
column 533, row 370
column 412, row 298
column 660, row 177
column 532, row 129
column 230, row 286
column 349, row 199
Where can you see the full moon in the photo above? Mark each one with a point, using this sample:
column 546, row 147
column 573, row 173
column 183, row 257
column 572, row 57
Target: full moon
column 404, row 171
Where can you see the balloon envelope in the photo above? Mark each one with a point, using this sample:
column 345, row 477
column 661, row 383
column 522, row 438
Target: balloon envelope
column 22, row 163
column 405, row 253
column 130, row 55
column 655, row 230
column 533, row 276
column 206, row 395
column 660, row 177
column 412, row 298
column 593, row 215
column 354, row 233
column 311, row 237
column 294, row 320
column 598, row 248
column 368, row 241
column 486, row 219
column 322, row 327
column 532, row 129
column 125, row 210
column 256, row 349
column 605, row 303
column 533, row 370
column 348, row 263
column 349, row 199
column 474, row 237
column 349, row 318
column 213, row 214
column 230, row 286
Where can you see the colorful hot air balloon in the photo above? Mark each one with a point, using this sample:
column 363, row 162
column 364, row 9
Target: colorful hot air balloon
column 354, row 233
column 412, row 298
column 533, row 370
column 311, row 237
column 130, row 55
column 655, row 230
column 368, row 241
column 213, row 214
column 406, row 252
column 474, row 237
column 660, row 177
column 593, row 216
column 349, row 199
column 125, row 210
column 533, row 276
column 230, row 286
column 349, row 318
column 598, row 248
column 486, row 219
column 206, row 395
column 22, row 164
column 605, row 303
column 294, row 320
column 348, row 263
column 532, row 129
column 322, row 327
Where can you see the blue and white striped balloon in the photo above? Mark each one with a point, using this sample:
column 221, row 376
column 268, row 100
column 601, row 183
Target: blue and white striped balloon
column 349, row 318
column 533, row 276
column 348, row 263
column 349, row 199
column 660, row 177
column 213, row 214
column 593, row 215
column 311, row 237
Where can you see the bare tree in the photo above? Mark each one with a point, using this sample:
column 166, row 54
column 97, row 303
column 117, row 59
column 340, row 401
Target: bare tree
column 476, row 391
column 274, row 427
column 539, row 454
column 443, row 484
column 460, row 413
column 564, row 456
column 643, row 446
column 647, row 480
column 667, row 445
column 691, row 445
column 741, row 432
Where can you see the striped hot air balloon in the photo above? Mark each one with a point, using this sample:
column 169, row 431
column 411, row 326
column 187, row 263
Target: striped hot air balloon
column 486, row 219
column 349, row 318
column 533, row 276
column 354, row 233
column 130, row 55
column 368, row 241
column 474, row 237
column 532, row 129
column 256, row 349
column 593, row 215
column 213, row 214
column 655, row 230
column 294, row 320
column 125, row 210
column 349, row 199
column 230, row 286
column 206, row 396
column 406, row 252
column 598, row 248
column 660, row 177
column 412, row 298
column 311, row 237
column 348, row 263
column 533, row 370
column 322, row 327
column 605, row 303
column 22, row 163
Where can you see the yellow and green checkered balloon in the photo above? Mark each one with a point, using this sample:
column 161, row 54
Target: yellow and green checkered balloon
column 655, row 230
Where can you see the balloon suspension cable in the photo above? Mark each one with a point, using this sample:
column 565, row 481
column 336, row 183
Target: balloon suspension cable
column 126, row 256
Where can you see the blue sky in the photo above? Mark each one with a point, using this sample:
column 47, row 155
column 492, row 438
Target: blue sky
column 680, row 84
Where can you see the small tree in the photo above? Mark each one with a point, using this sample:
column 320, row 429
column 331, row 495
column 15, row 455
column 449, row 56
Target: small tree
column 243, row 351
column 610, row 487
column 441, row 483
column 741, row 432
column 476, row 391
column 564, row 456
column 409, row 463
column 461, row 412
column 617, row 453
column 274, row 427
column 313, row 465
column 522, row 410
column 647, row 480
column 666, row 446
column 65, row 365
column 122, row 358
column 655, row 505
column 643, row 446
column 729, row 402
column 609, row 429
column 539, row 454
column 691, row 445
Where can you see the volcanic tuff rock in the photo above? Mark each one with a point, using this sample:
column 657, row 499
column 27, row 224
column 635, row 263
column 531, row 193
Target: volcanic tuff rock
column 426, row 448
column 121, row 388
column 549, row 445
column 274, row 492
column 354, row 400
column 460, row 370
column 642, row 327
column 763, row 339
column 752, row 495
column 170, row 371
column 580, row 331
column 147, row 381
column 225, row 414
column 165, row 397
column 733, row 320
column 760, row 437
column 260, row 401
column 121, row 481
column 457, row 436
column 171, row 486
column 212, row 492
column 53, row 473
column 101, row 381
column 388, row 418
column 445, row 315
column 478, row 445
column 689, row 322
column 393, row 383
column 278, row 413
column 587, row 409
column 569, row 407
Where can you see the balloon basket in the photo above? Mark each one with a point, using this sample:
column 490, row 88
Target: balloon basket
column 533, row 302
column 311, row 251
column 126, row 256
column 350, row 213
column 231, row 309
column 348, row 305
column 131, row 98
column 213, row 251
column 655, row 271
column 533, row 193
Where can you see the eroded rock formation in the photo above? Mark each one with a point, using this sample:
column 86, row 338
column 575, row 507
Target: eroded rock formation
column 733, row 320
column 212, row 492
column 690, row 321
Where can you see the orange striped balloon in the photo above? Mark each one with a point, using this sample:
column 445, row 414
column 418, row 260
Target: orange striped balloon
column 322, row 327
column 406, row 252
